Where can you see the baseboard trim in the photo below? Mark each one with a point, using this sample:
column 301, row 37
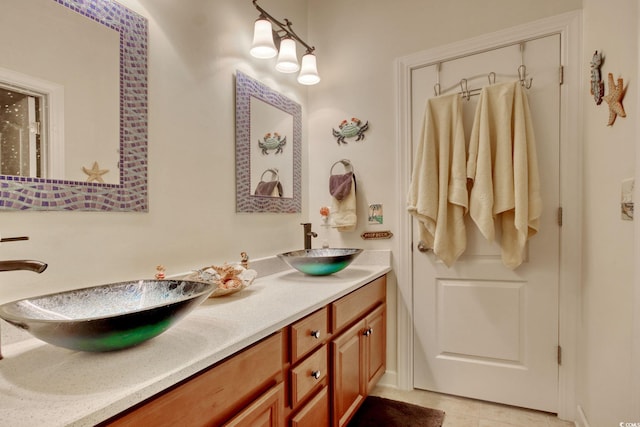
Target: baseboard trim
column 389, row 379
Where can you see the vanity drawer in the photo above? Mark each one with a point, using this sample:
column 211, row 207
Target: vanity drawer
column 308, row 334
column 315, row 413
column 356, row 304
column 308, row 375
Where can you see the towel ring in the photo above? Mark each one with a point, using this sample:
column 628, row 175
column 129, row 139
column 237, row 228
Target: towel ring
column 274, row 174
column 348, row 167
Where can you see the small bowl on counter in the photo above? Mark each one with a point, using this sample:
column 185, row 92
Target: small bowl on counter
column 321, row 261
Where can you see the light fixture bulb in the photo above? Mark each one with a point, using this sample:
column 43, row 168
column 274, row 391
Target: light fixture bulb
column 263, row 45
column 287, row 58
column 309, row 70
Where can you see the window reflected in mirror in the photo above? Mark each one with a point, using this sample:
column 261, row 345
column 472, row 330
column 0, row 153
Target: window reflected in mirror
column 21, row 136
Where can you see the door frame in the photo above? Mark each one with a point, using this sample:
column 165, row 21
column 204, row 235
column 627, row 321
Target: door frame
column 569, row 26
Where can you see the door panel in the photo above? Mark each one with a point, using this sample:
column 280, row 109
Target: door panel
column 482, row 330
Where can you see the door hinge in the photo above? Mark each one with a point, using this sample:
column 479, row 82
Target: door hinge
column 560, row 216
column 559, row 355
column 561, row 75
column 35, row 127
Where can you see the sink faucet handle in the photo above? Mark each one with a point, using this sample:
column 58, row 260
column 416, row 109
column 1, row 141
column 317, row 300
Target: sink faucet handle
column 308, row 234
column 13, row 239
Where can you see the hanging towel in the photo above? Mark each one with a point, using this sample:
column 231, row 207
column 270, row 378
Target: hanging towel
column 343, row 201
column 503, row 167
column 269, row 189
column 438, row 191
column 340, row 185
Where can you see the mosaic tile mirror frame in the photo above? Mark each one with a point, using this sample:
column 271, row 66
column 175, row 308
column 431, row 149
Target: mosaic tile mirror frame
column 29, row 193
column 247, row 200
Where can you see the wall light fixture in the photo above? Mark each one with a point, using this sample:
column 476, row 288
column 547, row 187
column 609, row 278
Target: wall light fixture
column 268, row 42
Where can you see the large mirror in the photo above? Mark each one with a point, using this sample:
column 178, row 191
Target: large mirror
column 268, row 149
column 73, row 116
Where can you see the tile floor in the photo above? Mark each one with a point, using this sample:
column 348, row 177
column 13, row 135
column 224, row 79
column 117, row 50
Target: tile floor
column 462, row 412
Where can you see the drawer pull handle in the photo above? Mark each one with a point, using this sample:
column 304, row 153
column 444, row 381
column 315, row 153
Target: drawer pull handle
column 315, row 334
column 367, row 332
column 316, row 374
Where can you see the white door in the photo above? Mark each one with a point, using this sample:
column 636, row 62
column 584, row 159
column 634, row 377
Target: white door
column 482, row 330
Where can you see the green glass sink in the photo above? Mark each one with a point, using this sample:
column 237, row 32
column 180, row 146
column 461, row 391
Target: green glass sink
column 320, row 262
column 107, row 317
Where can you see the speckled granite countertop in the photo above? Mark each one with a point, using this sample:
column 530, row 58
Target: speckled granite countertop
column 43, row 385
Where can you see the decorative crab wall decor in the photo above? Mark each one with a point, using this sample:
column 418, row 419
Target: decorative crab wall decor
column 272, row 142
column 349, row 129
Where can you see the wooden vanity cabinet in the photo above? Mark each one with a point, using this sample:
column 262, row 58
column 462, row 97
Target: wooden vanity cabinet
column 312, row 373
column 247, row 387
column 354, row 348
column 358, row 349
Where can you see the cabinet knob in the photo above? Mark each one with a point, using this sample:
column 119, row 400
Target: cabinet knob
column 316, row 374
column 367, row 332
column 315, row 334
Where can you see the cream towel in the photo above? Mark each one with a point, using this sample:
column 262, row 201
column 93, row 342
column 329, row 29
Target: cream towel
column 343, row 212
column 503, row 166
column 438, row 192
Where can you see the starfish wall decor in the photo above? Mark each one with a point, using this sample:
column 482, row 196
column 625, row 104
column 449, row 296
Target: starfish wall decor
column 95, row 173
column 614, row 99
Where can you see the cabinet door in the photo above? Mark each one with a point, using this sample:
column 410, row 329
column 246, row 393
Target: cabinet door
column 266, row 411
column 348, row 373
column 375, row 339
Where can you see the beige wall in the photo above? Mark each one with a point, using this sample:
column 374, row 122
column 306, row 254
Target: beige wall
column 605, row 382
column 194, row 49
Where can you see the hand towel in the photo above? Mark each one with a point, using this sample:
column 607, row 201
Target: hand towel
column 340, row 185
column 269, row 189
column 503, row 167
column 343, row 201
column 437, row 195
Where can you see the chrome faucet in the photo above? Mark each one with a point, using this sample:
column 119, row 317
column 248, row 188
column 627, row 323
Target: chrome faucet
column 29, row 265
column 308, row 234
column 35, row 266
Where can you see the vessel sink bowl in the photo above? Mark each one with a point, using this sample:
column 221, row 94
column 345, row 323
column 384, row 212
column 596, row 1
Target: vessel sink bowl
column 320, row 262
column 107, row 317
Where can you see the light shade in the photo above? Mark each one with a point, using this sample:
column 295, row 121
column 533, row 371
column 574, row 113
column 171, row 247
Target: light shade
column 263, row 45
column 287, row 58
column 309, row 70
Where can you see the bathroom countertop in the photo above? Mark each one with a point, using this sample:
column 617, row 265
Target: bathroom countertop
column 45, row 385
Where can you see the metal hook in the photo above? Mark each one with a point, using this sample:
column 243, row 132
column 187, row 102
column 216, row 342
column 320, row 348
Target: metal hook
column 436, row 87
column 522, row 76
column 491, row 77
column 464, row 89
column 522, row 70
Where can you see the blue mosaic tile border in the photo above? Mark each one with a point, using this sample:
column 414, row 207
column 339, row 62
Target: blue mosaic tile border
column 24, row 193
column 246, row 87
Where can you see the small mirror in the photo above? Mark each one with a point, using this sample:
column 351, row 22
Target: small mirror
column 268, row 149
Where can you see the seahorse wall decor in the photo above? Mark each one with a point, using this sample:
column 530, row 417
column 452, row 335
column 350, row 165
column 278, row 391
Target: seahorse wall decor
column 597, row 85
